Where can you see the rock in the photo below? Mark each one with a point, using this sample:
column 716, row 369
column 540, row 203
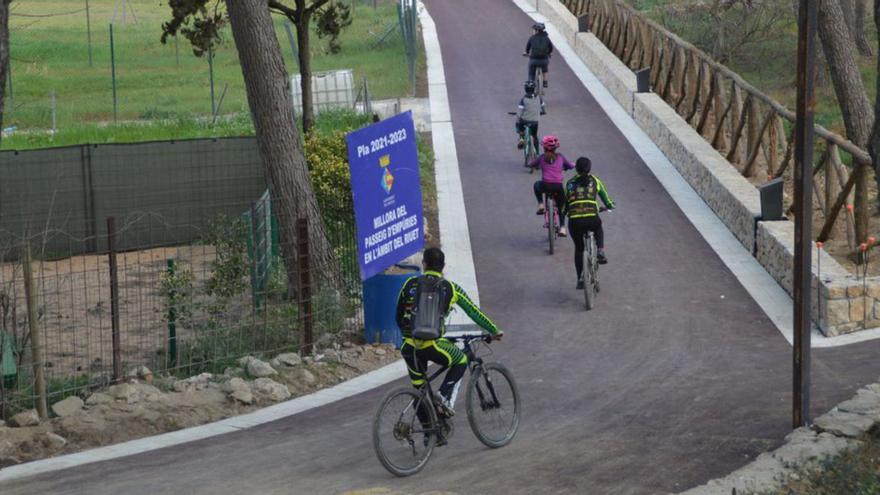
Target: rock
column 347, row 345
column 198, row 382
column 68, row 406
column 331, row 354
column 2, row 424
column 149, row 393
column 305, row 376
column 54, row 441
column 26, row 418
column 270, row 389
column 865, row 402
column 260, row 369
column 275, row 363
column 141, row 373
column 239, row 390
column 233, row 372
column 125, row 392
column 380, row 351
column 289, row 359
column 243, row 362
column 98, row 398
column 844, row 424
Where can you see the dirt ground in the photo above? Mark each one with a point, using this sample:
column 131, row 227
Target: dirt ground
column 157, row 408
column 74, row 305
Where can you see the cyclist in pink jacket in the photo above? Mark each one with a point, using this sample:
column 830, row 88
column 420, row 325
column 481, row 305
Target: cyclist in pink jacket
column 552, row 165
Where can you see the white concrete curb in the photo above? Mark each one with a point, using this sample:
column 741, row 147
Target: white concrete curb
column 766, row 292
column 456, row 243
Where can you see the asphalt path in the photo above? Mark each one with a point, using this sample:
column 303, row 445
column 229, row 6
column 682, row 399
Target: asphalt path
column 676, row 377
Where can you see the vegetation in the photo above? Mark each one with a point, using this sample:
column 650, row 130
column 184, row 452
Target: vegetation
column 159, row 82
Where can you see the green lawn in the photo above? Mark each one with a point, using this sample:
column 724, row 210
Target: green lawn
column 51, row 54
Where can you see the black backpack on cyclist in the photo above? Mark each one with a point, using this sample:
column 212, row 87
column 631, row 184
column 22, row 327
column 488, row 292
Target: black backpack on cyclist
column 428, row 313
column 540, row 46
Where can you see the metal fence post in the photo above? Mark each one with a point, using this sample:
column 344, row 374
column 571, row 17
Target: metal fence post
column 114, row 299
column 172, row 319
column 113, row 72
column 305, row 286
column 211, row 76
column 34, row 330
column 89, row 31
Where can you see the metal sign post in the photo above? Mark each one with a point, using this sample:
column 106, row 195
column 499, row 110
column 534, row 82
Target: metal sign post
column 803, row 194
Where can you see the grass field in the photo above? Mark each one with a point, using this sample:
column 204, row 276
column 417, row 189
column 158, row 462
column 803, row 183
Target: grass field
column 156, row 81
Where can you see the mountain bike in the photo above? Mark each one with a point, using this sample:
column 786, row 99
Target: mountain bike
column 530, row 147
column 591, row 269
column 409, row 423
column 540, row 90
column 551, row 219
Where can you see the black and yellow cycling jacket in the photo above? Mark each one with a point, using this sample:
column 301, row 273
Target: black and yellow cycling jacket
column 581, row 194
column 407, row 299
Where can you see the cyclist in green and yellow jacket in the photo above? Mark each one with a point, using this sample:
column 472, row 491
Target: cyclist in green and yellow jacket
column 582, row 208
column 417, row 352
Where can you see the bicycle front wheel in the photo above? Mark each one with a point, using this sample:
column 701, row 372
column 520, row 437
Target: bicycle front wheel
column 404, row 431
column 590, row 274
column 493, row 405
column 551, row 223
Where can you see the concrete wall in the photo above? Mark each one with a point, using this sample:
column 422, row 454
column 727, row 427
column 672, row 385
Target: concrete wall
column 842, row 304
column 160, row 193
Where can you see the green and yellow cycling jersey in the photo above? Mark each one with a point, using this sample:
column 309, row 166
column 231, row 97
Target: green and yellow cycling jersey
column 581, row 193
column 455, row 295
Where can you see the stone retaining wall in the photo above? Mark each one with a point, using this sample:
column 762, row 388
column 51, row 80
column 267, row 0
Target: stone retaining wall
column 842, row 304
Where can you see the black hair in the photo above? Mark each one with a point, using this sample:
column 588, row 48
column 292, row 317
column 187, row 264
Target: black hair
column 583, row 165
column 434, row 259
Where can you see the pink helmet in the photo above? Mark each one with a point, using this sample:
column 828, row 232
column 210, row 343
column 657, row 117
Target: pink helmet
column 550, row 142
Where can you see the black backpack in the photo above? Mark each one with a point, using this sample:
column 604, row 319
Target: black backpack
column 428, row 313
column 540, row 46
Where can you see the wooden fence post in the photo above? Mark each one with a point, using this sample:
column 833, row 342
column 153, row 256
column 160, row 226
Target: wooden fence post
column 34, row 330
column 114, row 300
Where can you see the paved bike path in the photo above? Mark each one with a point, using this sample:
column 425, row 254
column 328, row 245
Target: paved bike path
column 674, row 378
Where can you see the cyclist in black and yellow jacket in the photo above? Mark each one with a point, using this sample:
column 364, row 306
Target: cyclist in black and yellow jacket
column 416, row 352
column 582, row 207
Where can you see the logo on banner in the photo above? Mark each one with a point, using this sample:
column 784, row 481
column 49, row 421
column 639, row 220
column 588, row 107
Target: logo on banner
column 387, row 178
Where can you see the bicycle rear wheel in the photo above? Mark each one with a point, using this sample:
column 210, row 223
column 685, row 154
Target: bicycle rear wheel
column 493, row 406
column 551, row 221
column 539, row 81
column 404, row 431
column 529, row 150
column 591, row 282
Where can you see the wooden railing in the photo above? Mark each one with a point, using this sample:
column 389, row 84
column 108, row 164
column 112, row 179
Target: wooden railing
column 753, row 131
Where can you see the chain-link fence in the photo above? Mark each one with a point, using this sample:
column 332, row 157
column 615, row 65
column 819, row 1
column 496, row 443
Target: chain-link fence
column 179, row 269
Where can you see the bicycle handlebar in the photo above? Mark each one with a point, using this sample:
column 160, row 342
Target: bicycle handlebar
column 511, row 113
column 485, row 337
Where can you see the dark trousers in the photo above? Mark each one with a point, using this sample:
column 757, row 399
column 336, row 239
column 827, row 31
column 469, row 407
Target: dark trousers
column 534, row 63
column 533, row 126
column 556, row 191
column 578, row 229
column 440, row 351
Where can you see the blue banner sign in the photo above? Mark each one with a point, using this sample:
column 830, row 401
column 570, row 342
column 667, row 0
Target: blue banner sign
column 384, row 162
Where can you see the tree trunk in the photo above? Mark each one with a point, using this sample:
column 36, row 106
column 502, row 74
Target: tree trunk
column 837, row 44
column 281, row 150
column 305, row 65
column 4, row 56
column 874, row 145
column 859, row 32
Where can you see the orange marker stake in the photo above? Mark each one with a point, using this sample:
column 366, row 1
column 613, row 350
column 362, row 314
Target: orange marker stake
column 849, row 208
column 819, row 244
column 863, row 247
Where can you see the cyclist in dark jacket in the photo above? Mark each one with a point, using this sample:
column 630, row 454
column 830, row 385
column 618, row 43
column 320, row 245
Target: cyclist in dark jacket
column 582, row 208
column 538, row 49
column 417, row 352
